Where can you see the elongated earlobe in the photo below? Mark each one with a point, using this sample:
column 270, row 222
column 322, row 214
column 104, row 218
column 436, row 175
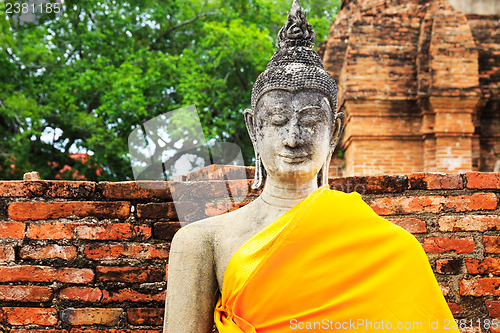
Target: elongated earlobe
column 338, row 122
column 260, row 174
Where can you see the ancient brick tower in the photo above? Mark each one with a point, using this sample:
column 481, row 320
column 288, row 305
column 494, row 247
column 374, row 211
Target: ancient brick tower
column 419, row 82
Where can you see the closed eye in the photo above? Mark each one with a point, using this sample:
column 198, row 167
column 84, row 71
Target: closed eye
column 310, row 120
column 278, row 120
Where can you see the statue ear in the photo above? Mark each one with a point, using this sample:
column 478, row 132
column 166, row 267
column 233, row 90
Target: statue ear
column 249, row 120
column 338, row 123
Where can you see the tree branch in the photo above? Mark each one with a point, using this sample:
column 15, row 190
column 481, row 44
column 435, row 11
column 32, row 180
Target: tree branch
column 181, row 24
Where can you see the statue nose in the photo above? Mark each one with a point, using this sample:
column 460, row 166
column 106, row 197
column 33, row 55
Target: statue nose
column 293, row 137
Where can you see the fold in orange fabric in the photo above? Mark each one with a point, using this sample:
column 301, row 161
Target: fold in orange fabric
column 331, row 264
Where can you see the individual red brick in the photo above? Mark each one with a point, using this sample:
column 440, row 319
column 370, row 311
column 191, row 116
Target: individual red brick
column 48, row 252
column 455, row 308
column 493, row 308
column 130, row 274
column 369, row 184
column 52, row 230
column 469, row 223
column 137, row 190
column 29, row 316
column 489, row 286
column 83, row 294
column 23, row 211
column 91, row 316
column 165, row 210
column 490, row 265
column 7, row 253
column 45, row 274
column 446, row 244
column 25, row 294
column 448, row 266
column 134, row 251
column 115, row 231
column 491, row 244
column 48, row 188
column 12, row 230
column 165, row 230
column 145, row 316
column 435, row 181
column 413, row 225
column 434, row 204
column 483, row 180
column 91, row 231
column 131, row 295
column 218, row 208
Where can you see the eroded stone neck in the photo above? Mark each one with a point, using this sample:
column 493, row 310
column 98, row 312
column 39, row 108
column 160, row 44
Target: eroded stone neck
column 286, row 195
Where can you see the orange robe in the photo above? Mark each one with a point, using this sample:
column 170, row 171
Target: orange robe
column 331, row 264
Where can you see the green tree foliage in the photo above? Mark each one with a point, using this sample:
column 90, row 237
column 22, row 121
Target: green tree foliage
column 84, row 81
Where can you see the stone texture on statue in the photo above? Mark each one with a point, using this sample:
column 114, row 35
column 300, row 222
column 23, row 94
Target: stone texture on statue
column 294, row 127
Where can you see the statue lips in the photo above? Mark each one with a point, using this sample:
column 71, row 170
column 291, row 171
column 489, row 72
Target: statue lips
column 294, row 158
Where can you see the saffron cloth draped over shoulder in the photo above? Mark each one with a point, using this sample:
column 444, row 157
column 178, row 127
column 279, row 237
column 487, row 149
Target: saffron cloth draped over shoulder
column 331, row 263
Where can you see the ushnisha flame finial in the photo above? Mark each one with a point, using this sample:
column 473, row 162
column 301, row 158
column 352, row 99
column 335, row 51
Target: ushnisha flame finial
column 296, row 31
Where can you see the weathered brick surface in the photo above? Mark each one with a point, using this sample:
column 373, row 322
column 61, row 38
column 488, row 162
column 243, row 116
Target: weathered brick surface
column 13, row 230
column 469, row 223
column 410, row 224
column 490, row 265
column 134, row 251
column 435, row 181
column 48, row 252
column 26, row 316
column 448, row 244
column 130, row 274
column 480, row 287
column 145, row 316
column 45, row 274
column 370, row 184
column 157, row 211
column 134, row 190
column 434, row 204
column 83, row 294
column 493, row 308
column 92, row 231
column 25, row 293
column 481, row 180
column 94, row 273
column 455, row 308
column 7, row 253
column 23, row 211
column 491, row 244
column 47, row 188
column 91, row 316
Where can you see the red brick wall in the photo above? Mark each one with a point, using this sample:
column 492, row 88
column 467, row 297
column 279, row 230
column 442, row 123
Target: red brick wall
column 90, row 257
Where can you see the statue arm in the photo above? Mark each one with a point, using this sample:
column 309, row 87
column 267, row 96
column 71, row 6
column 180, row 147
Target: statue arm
column 192, row 285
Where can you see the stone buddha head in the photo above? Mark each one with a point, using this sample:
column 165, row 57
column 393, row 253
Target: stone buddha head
column 294, row 124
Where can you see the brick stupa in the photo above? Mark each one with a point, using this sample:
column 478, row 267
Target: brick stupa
column 419, row 82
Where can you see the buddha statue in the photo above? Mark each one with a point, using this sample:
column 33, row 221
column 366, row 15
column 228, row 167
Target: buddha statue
column 300, row 254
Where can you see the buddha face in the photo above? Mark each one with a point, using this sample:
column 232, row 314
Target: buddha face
column 293, row 134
